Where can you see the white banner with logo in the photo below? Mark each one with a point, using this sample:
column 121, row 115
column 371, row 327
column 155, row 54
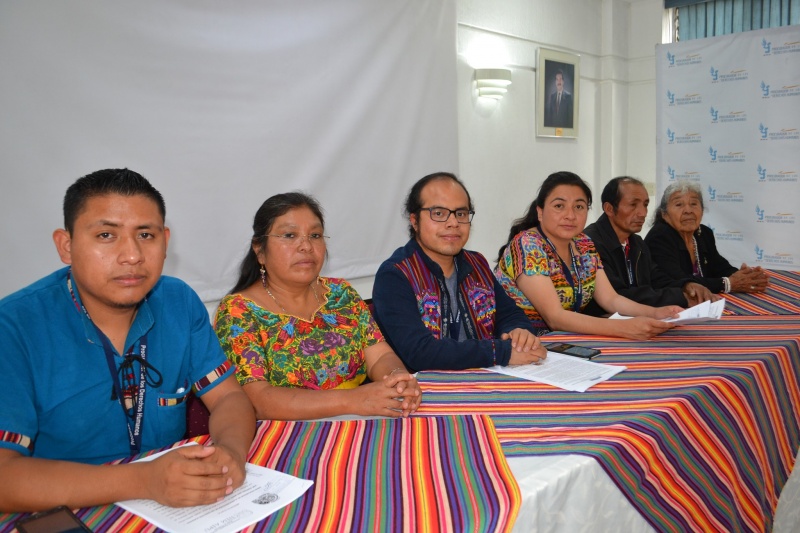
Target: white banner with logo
column 728, row 115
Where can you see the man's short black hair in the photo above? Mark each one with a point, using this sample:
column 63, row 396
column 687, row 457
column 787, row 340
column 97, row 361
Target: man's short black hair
column 109, row 181
column 611, row 193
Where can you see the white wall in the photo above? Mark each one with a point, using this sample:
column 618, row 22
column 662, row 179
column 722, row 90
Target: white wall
column 222, row 106
column 645, row 34
column 501, row 159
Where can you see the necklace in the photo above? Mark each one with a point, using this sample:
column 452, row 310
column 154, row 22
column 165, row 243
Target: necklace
column 697, row 258
column 313, row 289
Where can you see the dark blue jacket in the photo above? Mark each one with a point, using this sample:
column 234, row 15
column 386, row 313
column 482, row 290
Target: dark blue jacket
column 401, row 313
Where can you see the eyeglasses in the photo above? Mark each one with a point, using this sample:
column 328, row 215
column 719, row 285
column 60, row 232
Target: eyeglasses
column 296, row 238
column 442, row 214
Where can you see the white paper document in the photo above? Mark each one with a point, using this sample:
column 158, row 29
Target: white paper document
column 264, row 492
column 701, row 312
column 562, row 371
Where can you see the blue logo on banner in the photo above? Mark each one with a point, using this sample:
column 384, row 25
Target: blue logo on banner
column 670, row 135
column 712, row 153
column 714, row 74
column 714, row 114
column 671, row 59
column 766, row 45
column 784, row 134
column 781, row 91
column 782, row 176
column 759, row 253
column 671, row 172
column 759, row 214
column 671, row 97
column 712, row 193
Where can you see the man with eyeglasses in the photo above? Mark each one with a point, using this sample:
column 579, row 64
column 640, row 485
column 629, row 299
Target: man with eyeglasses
column 438, row 305
column 626, row 258
column 98, row 359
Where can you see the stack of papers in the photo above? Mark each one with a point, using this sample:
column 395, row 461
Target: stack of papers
column 701, row 312
column 562, row 371
column 264, row 492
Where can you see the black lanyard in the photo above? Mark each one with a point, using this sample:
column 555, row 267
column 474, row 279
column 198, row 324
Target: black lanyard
column 626, row 249
column 577, row 289
column 134, row 416
column 455, row 321
column 452, row 323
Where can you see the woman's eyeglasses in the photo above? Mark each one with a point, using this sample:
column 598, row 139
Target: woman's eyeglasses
column 297, row 238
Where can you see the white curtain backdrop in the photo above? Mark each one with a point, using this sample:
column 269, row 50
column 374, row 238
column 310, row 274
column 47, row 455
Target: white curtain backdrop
column 221, row 105
column 728, row 115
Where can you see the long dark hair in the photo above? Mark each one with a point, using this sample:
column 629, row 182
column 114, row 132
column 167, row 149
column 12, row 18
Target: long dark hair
column 531, row 217
column 272, row 208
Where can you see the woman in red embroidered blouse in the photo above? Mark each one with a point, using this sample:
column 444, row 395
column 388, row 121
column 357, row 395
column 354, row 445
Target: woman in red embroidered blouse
column 304, row 345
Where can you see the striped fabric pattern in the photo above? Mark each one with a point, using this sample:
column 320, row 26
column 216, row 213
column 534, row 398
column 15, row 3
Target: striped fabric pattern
column 782, row 297
column 16, row 438
column 416, row 474
column 700, row 433
column 413, row 475
column 212, row 376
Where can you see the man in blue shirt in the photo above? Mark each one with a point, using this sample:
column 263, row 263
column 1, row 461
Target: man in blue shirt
column 439, row 306
column 97, row 359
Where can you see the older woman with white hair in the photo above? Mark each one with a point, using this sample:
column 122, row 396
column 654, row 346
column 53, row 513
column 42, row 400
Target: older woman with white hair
column 683, row 247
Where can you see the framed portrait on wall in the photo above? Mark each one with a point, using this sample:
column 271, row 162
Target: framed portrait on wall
column 558, row 80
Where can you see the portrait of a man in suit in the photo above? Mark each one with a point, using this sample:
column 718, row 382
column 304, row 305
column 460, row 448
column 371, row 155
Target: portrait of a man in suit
column 560, row 106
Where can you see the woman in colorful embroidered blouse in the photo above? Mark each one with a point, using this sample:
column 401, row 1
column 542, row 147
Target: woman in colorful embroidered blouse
column 552, row 270
column 304, row 345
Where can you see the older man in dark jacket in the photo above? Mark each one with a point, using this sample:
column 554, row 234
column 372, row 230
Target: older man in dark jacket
column 626, row 258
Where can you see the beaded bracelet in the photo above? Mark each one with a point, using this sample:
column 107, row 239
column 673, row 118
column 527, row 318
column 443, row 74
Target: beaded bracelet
column 726, row 285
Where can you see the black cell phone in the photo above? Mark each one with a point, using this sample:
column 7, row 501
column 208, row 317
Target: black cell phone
column 58, row 520
column 571, row 349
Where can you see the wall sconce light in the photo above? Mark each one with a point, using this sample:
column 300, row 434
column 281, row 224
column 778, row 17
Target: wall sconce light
column 492, row 82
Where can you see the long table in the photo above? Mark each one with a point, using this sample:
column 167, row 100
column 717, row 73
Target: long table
column 417, row 474
column 700, row 433
column 782, row 297
column 568, row 493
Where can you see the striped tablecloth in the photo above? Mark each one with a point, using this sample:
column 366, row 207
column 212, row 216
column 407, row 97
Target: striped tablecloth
column 417, row 474
column 782, row 297
column 700, row 433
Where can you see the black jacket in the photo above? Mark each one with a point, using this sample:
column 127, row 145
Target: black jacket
column 651, row 285
column 670, row 252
